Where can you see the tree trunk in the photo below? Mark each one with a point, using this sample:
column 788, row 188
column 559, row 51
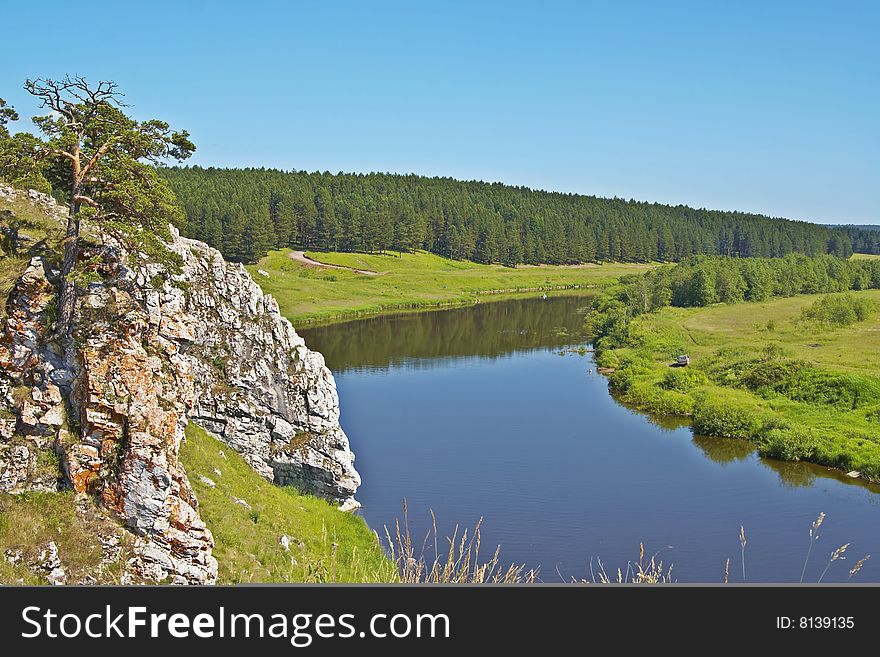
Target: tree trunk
column 67, row 297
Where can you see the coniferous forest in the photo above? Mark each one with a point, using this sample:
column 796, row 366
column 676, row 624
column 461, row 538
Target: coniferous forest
column 864, row 239
column 246, row 212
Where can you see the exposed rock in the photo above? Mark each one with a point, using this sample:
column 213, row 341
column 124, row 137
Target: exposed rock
column 259, row 388
column 31, row 404
column 242, row 502
column 286, row 541
column 129, row 393
column 50, row 564
column 210, row 483
column 150, row 352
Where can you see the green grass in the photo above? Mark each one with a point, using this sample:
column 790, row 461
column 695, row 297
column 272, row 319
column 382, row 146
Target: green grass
column 408, row 281
column 28, row 522
column 32, row 221
column 325, row 545
column 800, row 390
column 752, row 326
column 865, row 256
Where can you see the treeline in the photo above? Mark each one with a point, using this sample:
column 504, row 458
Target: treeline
column 864, row 239
column 246, row 212
column 704, row 280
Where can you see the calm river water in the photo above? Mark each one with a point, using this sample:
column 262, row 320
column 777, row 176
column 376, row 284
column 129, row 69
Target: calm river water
column 482, row 411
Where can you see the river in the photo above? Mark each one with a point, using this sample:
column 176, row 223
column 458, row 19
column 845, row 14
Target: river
column 487, row 411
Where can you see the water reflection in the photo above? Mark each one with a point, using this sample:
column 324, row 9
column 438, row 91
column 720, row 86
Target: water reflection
column 473, row 413
column 424, row 339
column 724, row 450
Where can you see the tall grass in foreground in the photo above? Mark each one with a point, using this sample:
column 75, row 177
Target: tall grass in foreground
column 459, row 562
column 643, row 571
column 836, row 554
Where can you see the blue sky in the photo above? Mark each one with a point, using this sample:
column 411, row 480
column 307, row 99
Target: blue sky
column 761, row 106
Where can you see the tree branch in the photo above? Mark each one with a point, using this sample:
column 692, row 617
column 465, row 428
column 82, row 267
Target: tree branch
column 87, row 200
column 97, row 156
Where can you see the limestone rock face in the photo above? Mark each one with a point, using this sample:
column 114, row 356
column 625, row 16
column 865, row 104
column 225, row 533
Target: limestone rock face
column 150, row 352
column 258, row 387
column 132, row 395
column 128, row 392
column 31, row 403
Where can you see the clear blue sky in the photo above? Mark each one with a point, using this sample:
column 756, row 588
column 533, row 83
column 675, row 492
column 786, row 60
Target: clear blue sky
column 762, row 106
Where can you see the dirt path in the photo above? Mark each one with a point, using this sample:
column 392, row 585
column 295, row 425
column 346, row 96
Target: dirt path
column 302, row 258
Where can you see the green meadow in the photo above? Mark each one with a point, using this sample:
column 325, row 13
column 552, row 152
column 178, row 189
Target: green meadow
column 799, row 388
column 408, row 281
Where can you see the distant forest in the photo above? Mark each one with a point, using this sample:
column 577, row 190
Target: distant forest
column 864, row 239
column 246, row 212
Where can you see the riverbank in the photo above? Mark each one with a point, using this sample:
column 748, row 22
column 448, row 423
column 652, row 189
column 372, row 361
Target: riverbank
column 309, row 294
column 502, row 384
column 798, row 390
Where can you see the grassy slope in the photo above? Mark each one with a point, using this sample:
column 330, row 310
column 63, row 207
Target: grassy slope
column 410, row 281
column 34, row 223
column 846, row 438
column 30, row 521
column 865, row 256
column 326, row 544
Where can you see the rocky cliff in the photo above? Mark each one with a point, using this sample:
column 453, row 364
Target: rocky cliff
column 151, row 351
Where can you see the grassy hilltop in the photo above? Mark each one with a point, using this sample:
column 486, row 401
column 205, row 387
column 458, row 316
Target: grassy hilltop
column 310, row 293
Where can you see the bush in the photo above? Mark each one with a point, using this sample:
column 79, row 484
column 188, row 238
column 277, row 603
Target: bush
column 647, row 396
column 622, row 380
column 683, row 379
column 725, row 418
column 843, row 391
column 788, row 444
column 838, row 310
column 608, row 358
column 771, row 374
column 801, row 381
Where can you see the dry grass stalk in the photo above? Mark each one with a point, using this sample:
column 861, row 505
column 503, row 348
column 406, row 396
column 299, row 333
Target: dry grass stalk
column 839, row 553
column 461, row 563
column 855, row 569
column 814, row 536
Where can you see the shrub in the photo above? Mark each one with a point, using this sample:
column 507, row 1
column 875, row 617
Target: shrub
column 771, row 374
column 839, row 310
column 649, row 397
column 788, row 444
column 622, row 380
column 801, row 381
column 683, row 379
column 725, row 418
column 608, row 358
column 843, row 391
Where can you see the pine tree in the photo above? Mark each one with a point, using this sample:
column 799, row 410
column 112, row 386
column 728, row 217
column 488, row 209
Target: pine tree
column 102, row 160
